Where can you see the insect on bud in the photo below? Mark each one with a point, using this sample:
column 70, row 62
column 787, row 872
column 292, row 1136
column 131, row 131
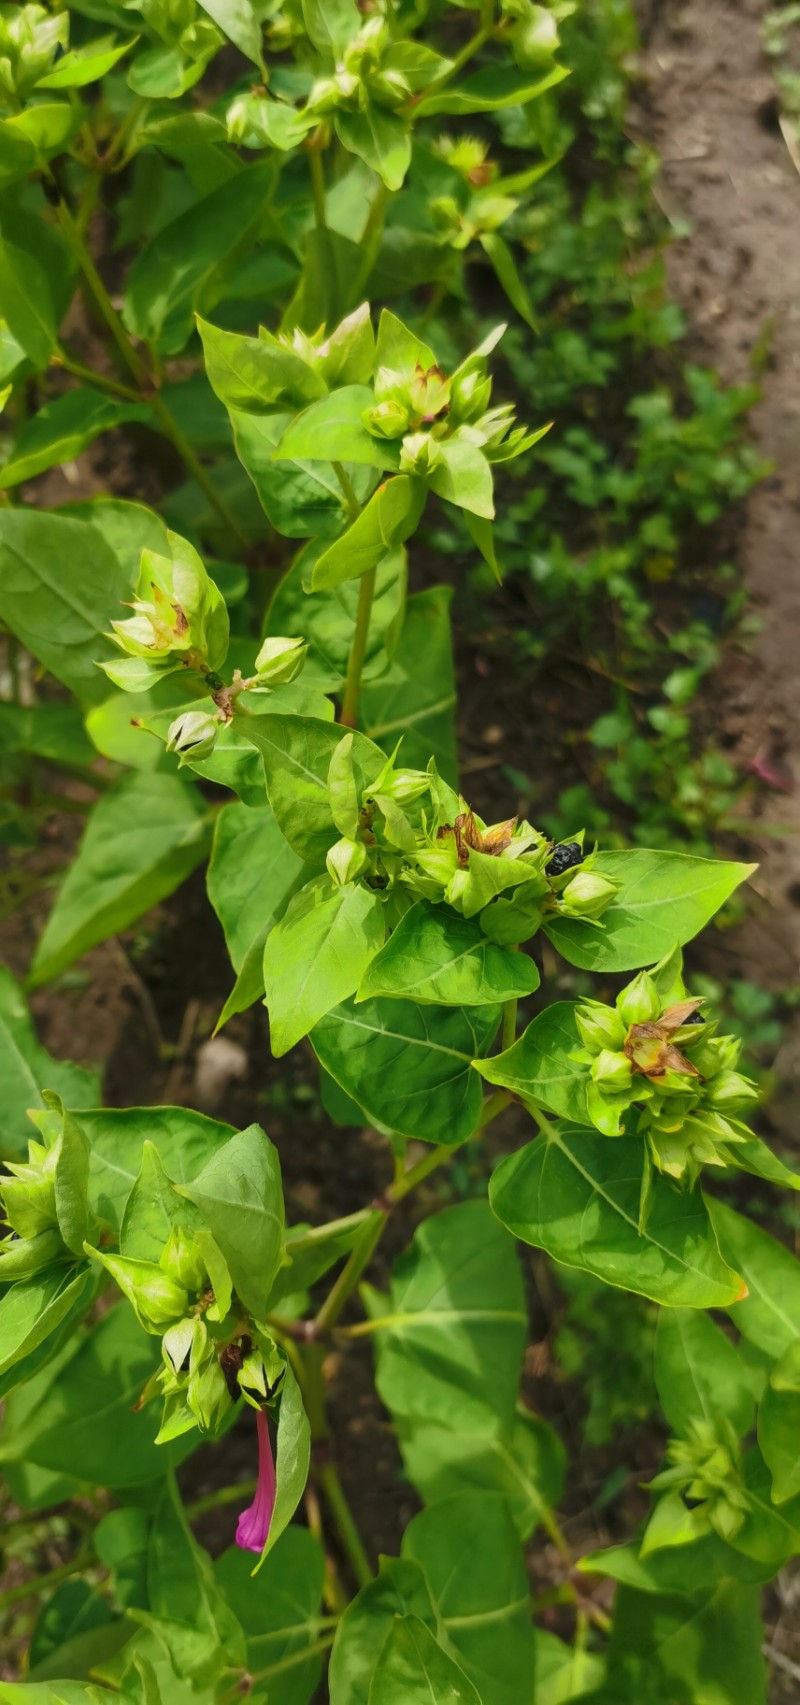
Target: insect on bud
column 346, row 860
column 640, row 1002
column 588, row 895
column 193, row 735
column 280, row 661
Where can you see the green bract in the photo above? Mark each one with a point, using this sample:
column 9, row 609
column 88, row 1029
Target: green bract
column 236, row 677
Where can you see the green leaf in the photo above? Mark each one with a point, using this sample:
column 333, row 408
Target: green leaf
column 32, row 1309
column 413, row 1667
column 778, row 1434
column 26, row 1069
column 84, row 65
column 82, row 1422
column 469, row 1552
column 665, row 898
column 297, row 752
column 185, row 1141
column 508, row 275
column 400, row 1589
column 576, row 1194
column 185, row 264
column 389, row 518
column 240, row 1197
column 670, row 1649
column 252, row 874
column 463, row 476
column 563, row 1673
column 183, row 1591
column 768, row 1315
column 142, row 839
column 326, row 620
column 331, row 24
column 416, row 697
column 279, row 1609
column 35, row 268
column 436, row 955
column 540, row 1065
column 449, row 1344
column 152, row 1209
column 316, row 955
column 521, row 1459
column 490, row 90
column 292, row 1458
column 408, row 1066
column 381, row 139
column 62, row 429
column 240, row 21
column 73, row 1611
column 301, row 499
column 252, row 373
column 699, row 1372
column 61, row 584
column 331, row 430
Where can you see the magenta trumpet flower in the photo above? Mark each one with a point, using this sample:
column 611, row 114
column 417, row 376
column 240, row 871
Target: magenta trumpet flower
column 253, row 1524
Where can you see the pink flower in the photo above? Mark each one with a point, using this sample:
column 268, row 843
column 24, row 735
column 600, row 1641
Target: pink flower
column 253, row 1524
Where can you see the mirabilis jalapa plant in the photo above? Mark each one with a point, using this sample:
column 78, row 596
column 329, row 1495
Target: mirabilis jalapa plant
column 367, row 901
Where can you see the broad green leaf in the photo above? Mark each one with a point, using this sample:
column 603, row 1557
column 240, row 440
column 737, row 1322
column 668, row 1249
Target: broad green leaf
column 684, row 1569
column 381, row 139
column 182, row 1589
column 240, row 21
column 489, row 90
column 779, row 1438
column 508, row 275
column 279, row 1610
column 326, row 620
column 301, row 499
column 297, row 752
column 416, row 698
column 292, row 1457
column 26, row 1069
column 576, row 1194
column 152, row 1209
column 665, row 898
column 770, row 1533
column 331, row 24
column 449, row 1344
column 61, row 584
column 470, row 1554
column 563, row 1673
column 251, row 373
column 185, row 1141
column 463, row 477
column 399, row 1590
column 84, row 65
column 240, row 1197
column 127, row 528
column 699, row 1372
column 62, row 429
column 436, row 955
column 75, row 1610
column 316, row 954
column 521, row 1459
column 413, row 1667
column 36, row 271
column 390, row 517
column 251, row 876
column 666, row 1649
column 331, row 430
column 408, row 1066
column 540, row 1066
column 142, row 839
column 82, row 1422
column 399, row 349
column 768, row 1315
column 31, row 1310
column 184, row 266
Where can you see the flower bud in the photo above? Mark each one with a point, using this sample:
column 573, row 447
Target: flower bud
column 155, row 1298
column 599, row 1026
column 207, row 1394
column 419, row 453
column 640, row 1002
column 717, row 1054
column 176, row 1345
column 22, row 1257
column 260, row 1376
column 729, row 1090
column 429, row 392
column 535, row 39
column 404, row 786
column 470, row 393
column 181, row 1259
column 29, row 1194
column 346, row 860
column 611, row 1071
column 588, row 895
column 386, row 420
column 193, row 735
column 280, row 661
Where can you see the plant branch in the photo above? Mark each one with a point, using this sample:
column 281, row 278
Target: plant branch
column 224, row 1495
column 358, row 649
column 362, row 1252
column 103, row 382
column 317, row 183
column 334, row 1494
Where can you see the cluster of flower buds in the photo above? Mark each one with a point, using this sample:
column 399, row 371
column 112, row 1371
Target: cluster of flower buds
column 372, row 70
column 44, row 1199
column 430, row 413
column 533, row 35
column 408, row 832
column 703, row 1489
column 668, row 1062
column 30, row 38
column 180, row 620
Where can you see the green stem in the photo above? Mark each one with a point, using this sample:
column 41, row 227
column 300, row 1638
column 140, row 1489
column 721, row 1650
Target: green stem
column 299, row 1657
column 371, row 239
column 333, row 1492
column 353, row 505
column 440, row 1156
column 224, row 1495
column 362, row 1252
column 317, row 185
column 358, row 649
column 321, row 1233
column 467, row 53
column 78, row 371
column 32, row 1589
